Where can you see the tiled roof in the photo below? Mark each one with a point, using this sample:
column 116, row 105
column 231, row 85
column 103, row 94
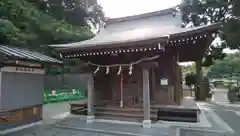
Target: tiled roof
column 138, row 30
column 144, row 15
column 104, row 38
column 25, row 54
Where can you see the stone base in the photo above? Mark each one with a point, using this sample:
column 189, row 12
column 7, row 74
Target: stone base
column 221, row 102
column 146, row 124
column 173, row 131
column 220, row 96
column 90, row 119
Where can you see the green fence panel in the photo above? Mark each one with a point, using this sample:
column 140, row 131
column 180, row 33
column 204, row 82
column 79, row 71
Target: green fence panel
column 57, row 95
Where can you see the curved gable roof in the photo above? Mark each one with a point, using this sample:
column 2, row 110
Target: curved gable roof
column 140, row 16
column 155, row 26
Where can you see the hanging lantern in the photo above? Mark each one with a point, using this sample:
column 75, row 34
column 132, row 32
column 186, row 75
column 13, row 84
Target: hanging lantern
column 130, row 69
column 214, row 35
column 160, row 47
column 96, row 70
column 119, row 70
column 107, row 70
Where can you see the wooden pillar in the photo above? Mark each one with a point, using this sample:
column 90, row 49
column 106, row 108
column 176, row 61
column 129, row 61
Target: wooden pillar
column 90, row 104
column 174, row 79
column 146, row 98
column 199, row 78
column 153, row 84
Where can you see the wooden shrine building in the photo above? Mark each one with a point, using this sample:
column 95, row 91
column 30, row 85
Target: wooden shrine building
column 21, row 86
column 134, row 62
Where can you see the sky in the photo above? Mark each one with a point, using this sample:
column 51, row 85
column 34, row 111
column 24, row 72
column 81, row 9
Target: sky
column 121, row 8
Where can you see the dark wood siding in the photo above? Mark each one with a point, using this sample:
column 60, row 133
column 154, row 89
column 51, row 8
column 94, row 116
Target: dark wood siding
column 108, row 86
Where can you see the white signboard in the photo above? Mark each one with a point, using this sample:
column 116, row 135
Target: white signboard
column 164, row 81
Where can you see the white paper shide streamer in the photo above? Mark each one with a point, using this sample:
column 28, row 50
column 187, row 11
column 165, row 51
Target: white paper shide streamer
column 121, row 66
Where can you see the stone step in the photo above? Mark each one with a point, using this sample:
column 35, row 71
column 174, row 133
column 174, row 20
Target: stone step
column 119, row 115
column 124, row 110
column 121, row 118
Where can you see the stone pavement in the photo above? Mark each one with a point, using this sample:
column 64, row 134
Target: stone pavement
column 54, row 131
column 54, row 125
column 230, row 114
column 188, row 132
column 55, row 109
column 77, row 127
column 100, row 127
column 222, row 118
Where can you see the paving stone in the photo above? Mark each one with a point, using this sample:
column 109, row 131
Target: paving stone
column 78, row 124
column 75, row 127
column 187, row 132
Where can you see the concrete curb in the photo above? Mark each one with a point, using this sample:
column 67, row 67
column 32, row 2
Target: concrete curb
column 101, row 131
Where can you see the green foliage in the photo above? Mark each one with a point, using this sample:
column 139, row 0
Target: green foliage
column 228, row 68
column 72, row 11
column 188, row 69
column 22, row 24
column 198, row 12
column 190, row 79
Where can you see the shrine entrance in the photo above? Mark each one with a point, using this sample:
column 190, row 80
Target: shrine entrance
column 123, row 90
column 152, row 56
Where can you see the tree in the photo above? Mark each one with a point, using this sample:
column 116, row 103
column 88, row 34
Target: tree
column 228, row 68
column 22, row 24
column 190, row 79
column 200, row 12
column 188, row 69
column 74, row 12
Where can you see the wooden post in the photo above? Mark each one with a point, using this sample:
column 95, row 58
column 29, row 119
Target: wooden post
column 146, row 98
column 153, row 90
column 90, row 104
column 199, row 76
column 175, row 91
